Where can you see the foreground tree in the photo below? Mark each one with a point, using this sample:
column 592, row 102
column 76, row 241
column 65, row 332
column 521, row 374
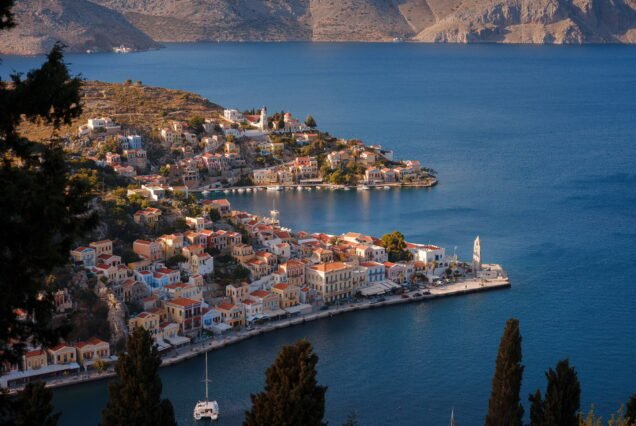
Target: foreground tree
column 292, row 395
column 630, row 410
column 34, row 407
column 135, row 395
column 504, row 406
column 42, row 209
column 562, row 400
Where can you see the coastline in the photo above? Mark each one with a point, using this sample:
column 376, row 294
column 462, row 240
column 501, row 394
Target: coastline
column 428, row 183
column 457, row 289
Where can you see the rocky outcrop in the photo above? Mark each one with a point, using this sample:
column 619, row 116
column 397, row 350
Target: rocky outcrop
column 85, row 25
column 80, row 24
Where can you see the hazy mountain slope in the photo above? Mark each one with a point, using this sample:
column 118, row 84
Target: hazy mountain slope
column 196, row 20
column 537, row 21
column 80, row 24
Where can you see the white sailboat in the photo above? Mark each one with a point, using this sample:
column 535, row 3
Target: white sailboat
column 452, row 419
column 206, row 409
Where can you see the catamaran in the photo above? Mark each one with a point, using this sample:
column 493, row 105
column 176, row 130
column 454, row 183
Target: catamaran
column 206, row 409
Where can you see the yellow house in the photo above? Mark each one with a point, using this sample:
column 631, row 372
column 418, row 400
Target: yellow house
column 102, row 247
column 232, row 314
column 34, row 360
column 287, row 294
column 333, row 281
column 147, row 320
column 62, row 354
column 92, row 350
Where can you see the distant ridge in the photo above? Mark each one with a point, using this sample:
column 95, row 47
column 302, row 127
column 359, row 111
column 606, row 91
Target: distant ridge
column 82, row 23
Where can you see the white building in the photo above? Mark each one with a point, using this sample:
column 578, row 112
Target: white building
column 232, row 115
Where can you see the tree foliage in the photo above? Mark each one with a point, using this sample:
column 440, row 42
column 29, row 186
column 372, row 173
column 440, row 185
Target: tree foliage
column 630, row 413
column 504, row 407
column 34, row 406
column 395, row 246
column 310, row 122
column 562, row 400
column 42, row 208
column 292, row 395
column 135, row 395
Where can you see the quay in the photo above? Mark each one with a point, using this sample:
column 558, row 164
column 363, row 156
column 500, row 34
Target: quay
column 462, row 287
column 429, row 183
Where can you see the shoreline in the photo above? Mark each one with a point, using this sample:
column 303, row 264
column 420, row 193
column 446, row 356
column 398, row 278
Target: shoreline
column 451, row 290
column 429, row 183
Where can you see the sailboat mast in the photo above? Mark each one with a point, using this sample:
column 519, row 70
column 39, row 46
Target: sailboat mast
column 206, row 377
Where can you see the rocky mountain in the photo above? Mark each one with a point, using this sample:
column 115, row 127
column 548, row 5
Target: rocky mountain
column 448, row 21
column 80, row 24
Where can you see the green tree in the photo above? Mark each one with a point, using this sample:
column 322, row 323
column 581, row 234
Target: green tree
column 42, row 208
column 215, row 215
column 562, row 400
column 395, row 246
column 504, row 406
column 135, row 395
column 34, row 407
column 196, row 123
column 310, row 122
column 292, row 395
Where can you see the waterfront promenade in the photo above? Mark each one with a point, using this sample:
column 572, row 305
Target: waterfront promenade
column 190, row 351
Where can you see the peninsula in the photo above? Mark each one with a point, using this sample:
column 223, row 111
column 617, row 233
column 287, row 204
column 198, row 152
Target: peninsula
column 172, row 256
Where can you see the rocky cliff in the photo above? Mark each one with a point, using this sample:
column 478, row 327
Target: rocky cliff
column 449, row 21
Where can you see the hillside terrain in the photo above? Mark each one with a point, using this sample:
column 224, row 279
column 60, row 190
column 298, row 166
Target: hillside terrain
column 140, row 24
column 80, row 24
column 131, row 104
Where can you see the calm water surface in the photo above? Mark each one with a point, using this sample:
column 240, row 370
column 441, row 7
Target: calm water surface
column 535, row 151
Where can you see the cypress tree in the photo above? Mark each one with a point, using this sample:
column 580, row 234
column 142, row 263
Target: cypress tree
column 292, row 395
column 536, row 408
column 630, row 412
column 33, row 406
column 562, row 400
column 135, row 395
column 504, row 407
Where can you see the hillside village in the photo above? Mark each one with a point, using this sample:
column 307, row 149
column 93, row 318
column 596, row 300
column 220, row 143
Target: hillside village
column 173, row 257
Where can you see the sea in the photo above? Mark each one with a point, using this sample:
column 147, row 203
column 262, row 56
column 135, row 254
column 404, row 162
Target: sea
column 535, row 150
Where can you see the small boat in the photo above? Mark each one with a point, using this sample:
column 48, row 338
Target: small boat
column 346, row 188
column 226, row 191
column 206, row 409
column 362, row 188
column 274, row 188
column 299, row 188
column 387, row 187
column 240, row 190
column 205, row 193
column 319, row 188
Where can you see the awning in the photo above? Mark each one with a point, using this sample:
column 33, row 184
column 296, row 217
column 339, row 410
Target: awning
column 49, row 369
column 177, row 340
column 276, row 313
column 221, row 327
column 381, row 287
column 162, row 345
column 302, row 308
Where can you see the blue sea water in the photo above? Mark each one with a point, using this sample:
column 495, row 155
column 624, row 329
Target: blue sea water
column 535, row 149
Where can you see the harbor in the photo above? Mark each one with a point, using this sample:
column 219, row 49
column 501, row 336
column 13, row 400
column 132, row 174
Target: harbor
column 425, row 295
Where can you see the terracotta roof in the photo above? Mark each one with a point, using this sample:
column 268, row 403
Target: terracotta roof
column 59, row 346
column 259, row 293
column 35, row 352
column 226, row 306
column 183, row 302
column 281, row 286
column 329, row 267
